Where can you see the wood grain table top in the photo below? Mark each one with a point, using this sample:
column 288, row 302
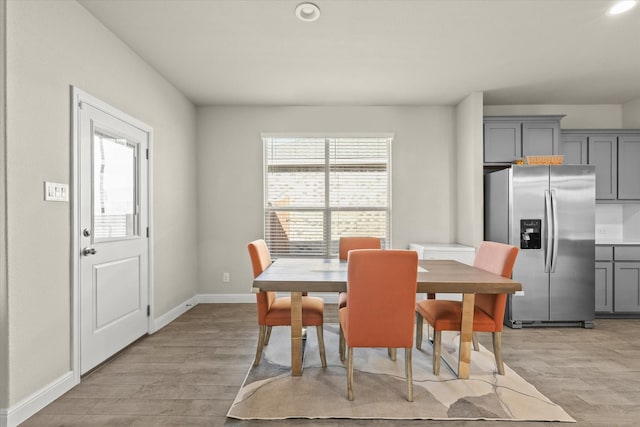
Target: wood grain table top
column 330, row 275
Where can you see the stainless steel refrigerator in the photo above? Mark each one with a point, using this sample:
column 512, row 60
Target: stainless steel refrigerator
column 549, row 213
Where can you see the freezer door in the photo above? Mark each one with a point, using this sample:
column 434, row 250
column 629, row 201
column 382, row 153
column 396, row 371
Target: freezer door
column 572, row 277
column 529, row 185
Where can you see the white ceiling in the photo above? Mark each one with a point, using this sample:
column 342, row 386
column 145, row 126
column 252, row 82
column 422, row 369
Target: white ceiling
column 384, row 52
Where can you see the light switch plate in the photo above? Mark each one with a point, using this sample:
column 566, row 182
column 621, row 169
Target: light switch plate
column 56, row 192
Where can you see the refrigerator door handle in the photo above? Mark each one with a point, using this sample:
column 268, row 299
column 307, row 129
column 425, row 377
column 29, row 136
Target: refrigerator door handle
column 549, row 219
column 554, row 209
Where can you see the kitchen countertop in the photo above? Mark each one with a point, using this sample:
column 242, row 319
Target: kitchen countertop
column 445, row 246
column 610, row 242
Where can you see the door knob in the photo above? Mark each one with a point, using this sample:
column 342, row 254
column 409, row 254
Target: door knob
column 88, row 251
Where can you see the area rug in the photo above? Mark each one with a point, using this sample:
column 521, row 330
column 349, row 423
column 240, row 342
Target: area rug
column 270, row 392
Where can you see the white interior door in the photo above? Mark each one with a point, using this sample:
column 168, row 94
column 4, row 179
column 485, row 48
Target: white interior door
column 113, row 219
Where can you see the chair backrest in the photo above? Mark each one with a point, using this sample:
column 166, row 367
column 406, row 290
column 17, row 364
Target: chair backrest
column 260, row 256
column 381, row 297
column 497, row 258
column 350, row 243
column 260, row 260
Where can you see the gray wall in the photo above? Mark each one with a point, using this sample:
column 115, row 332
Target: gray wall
column 52, row 45
column 4, row 302
column 230, row 173
column 631, row 114
column 468, row 168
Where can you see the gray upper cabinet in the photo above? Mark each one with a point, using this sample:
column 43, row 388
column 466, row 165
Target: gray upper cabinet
column 502, row 142
column 629, row 167
column 540, row 138
column 507, row 138
column 603, row 153
column 615, row 154
column 574, row 149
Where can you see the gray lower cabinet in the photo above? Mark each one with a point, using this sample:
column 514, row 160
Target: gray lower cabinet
column 627, row 287
column 617, row 274
column 615, row 154
column 508, row 138
column 604, row 287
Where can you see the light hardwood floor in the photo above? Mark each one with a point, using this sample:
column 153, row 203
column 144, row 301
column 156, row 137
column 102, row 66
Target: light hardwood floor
column 188, row 373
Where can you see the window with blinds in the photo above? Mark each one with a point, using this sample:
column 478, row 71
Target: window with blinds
column 318, row 189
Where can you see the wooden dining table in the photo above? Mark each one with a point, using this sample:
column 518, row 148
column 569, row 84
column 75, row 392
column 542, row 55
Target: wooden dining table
column 298, row 275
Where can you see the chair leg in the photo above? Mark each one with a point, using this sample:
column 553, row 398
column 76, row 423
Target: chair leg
column 419, row 323
column 430, row 296
column 261, row 336
column 497, row 351
column 408, row 368
column 474, row 340
column 266, row 338
column 392, row 352
column 437, row 340
column 323, row 357
column 342, row 345
column 350, row 374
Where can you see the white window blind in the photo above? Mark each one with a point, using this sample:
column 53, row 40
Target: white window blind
column 318, row 189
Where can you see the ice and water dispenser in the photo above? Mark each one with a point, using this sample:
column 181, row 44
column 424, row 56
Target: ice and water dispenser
column 530, row 233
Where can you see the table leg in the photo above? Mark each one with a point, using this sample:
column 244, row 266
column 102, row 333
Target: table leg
column 296, row 333
column 466, row 333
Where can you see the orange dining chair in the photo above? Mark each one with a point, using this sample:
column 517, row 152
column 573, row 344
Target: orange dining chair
column 274, row 311
column 488, row 313
column 350, row 243
column 346, row 244
column 380, row 304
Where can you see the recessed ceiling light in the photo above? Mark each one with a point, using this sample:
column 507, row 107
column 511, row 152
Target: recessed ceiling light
column 307, row 12
column 621, row 7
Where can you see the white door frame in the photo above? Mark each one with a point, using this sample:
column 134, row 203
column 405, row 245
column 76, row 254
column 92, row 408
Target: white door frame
column 78, row 97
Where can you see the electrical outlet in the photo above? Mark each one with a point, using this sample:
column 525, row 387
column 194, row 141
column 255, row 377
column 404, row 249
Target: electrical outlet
column 225, row 277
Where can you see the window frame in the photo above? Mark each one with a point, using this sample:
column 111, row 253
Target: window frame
column 330, row 247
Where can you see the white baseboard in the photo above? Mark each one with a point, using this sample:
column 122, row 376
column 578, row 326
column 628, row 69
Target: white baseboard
column 29, row 406
column 171, row 315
